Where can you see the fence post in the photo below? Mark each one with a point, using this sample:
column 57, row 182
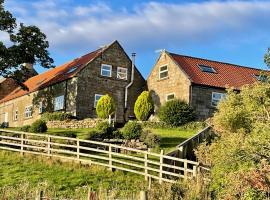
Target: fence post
column 143, row 195
column 110, row 156
column 145, row 166
column 78, row 149
column 49, row 145
column 185, row 169
column 161, row 166
column 22, row 143
column 194, row 171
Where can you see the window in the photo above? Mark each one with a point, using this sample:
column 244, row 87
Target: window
column 262, row 78
column 163, row 72
column 208, row 69
column 72, row 69
column 216, row 97
column 40, row 108
column 16, row 115
column 122, row 73
column 97, row 97
column 170, row 97
column 106, row 70
column 59, row 103
column 28, row 112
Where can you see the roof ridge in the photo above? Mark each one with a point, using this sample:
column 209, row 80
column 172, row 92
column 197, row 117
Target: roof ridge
column 227, row 63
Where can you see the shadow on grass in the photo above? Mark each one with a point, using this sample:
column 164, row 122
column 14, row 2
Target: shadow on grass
column 170, row 142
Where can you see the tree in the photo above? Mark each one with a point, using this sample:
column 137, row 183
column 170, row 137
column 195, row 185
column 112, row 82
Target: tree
column 267, row 58
column 144, row 106
column 239, row 156
column 29, row 45
column 105, row 107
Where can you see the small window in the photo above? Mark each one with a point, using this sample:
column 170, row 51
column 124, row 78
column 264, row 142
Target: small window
column 216, row 97
column 122, row 73
column 208, row 69
column 163, row 72
column 97, row 97
column 59, row 103
column 72, row 69
column 106, row 70
column 40, row 107
column 262, row 78
column 28, row 112
column 16, row 115
column 170, row 97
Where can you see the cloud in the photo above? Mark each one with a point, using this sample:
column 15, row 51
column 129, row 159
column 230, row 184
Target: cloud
column 151, row 25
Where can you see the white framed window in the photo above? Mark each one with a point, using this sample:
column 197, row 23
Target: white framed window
column 40, row 107
column 106, row 70
column 28, row 112
column 97, row 97
column 163, row 72
column 217, row 97
column 16, row 115
column 59, row 103
column 170, row 96
column 122, row 73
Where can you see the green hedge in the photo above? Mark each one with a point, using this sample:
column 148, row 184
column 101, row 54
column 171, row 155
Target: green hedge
column 56, row 116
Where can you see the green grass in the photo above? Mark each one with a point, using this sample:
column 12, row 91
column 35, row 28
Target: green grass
column 80, row 132
column 62, row 178
column 171, row 137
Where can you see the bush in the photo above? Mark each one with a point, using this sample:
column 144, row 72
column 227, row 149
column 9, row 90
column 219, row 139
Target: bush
column 105, row 130
column 144, row 106
column 25, row 128
column 132, row 130
column 105, row 107
column 56, row 116
column 176, row 112
column 39, row 126
column 94, row 135
column 148, row 124
column 150, row 139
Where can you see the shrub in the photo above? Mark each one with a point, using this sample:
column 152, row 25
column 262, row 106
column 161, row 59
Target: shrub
column 105, row 129
column 25, row 128
column 105, row 107
column 148, row 124
column 132, row 130
column 39, row 126
column 117, row 134
column 144, row 106
column 56, row 116
column 94, row 135
column 150, row 139
column 176, row 112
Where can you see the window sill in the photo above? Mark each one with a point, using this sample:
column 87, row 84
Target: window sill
column 163, row 79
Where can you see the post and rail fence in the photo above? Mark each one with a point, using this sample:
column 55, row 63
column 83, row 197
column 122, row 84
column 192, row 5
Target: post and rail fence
column 148, row 164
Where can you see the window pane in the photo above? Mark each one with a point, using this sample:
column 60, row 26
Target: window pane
column 121, row 73
column 170, row 97
column 106, row 73
column 163, row 68
column 59, row 103
column 106, row 70
column 163, row 74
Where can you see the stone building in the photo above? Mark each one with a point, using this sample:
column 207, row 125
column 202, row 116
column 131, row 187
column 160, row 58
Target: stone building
column 200, row 82
column 76, row 86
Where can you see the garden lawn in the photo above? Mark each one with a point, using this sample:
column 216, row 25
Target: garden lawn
column 79, row 132
column 171, row 137
column 62, row 178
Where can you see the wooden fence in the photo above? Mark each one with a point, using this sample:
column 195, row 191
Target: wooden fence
column 151, row 165
column 185, row 150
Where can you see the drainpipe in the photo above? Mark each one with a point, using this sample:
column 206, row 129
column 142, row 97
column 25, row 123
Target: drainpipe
column 132, row 79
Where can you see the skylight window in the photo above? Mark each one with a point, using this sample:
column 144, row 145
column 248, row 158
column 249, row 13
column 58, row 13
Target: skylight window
column 72, row 69
column 208, row 69
column 261, row 77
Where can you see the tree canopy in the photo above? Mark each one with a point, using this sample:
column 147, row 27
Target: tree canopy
column 27, row 44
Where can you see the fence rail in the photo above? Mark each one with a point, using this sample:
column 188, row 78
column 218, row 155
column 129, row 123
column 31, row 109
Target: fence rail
column 151, row 165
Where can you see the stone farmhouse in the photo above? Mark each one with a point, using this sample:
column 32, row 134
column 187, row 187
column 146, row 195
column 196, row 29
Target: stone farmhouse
column 76, row 86
column 200, row 82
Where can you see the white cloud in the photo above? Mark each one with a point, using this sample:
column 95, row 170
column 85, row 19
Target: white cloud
column 152, row 24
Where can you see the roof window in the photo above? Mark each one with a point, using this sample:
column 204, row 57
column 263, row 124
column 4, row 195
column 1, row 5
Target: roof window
column 208, row 69
column 261, row 77
column 72, row 69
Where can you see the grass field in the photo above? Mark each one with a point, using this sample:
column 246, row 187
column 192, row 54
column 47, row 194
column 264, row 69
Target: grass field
column 171, row 137
column 62, row 178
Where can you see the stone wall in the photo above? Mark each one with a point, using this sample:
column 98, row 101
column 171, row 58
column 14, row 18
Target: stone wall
column 91, row 82
column 201, row 101
column 176, row 83
column 86, row 123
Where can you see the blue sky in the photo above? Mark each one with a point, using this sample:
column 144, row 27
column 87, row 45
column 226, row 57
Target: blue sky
column 229, row 31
